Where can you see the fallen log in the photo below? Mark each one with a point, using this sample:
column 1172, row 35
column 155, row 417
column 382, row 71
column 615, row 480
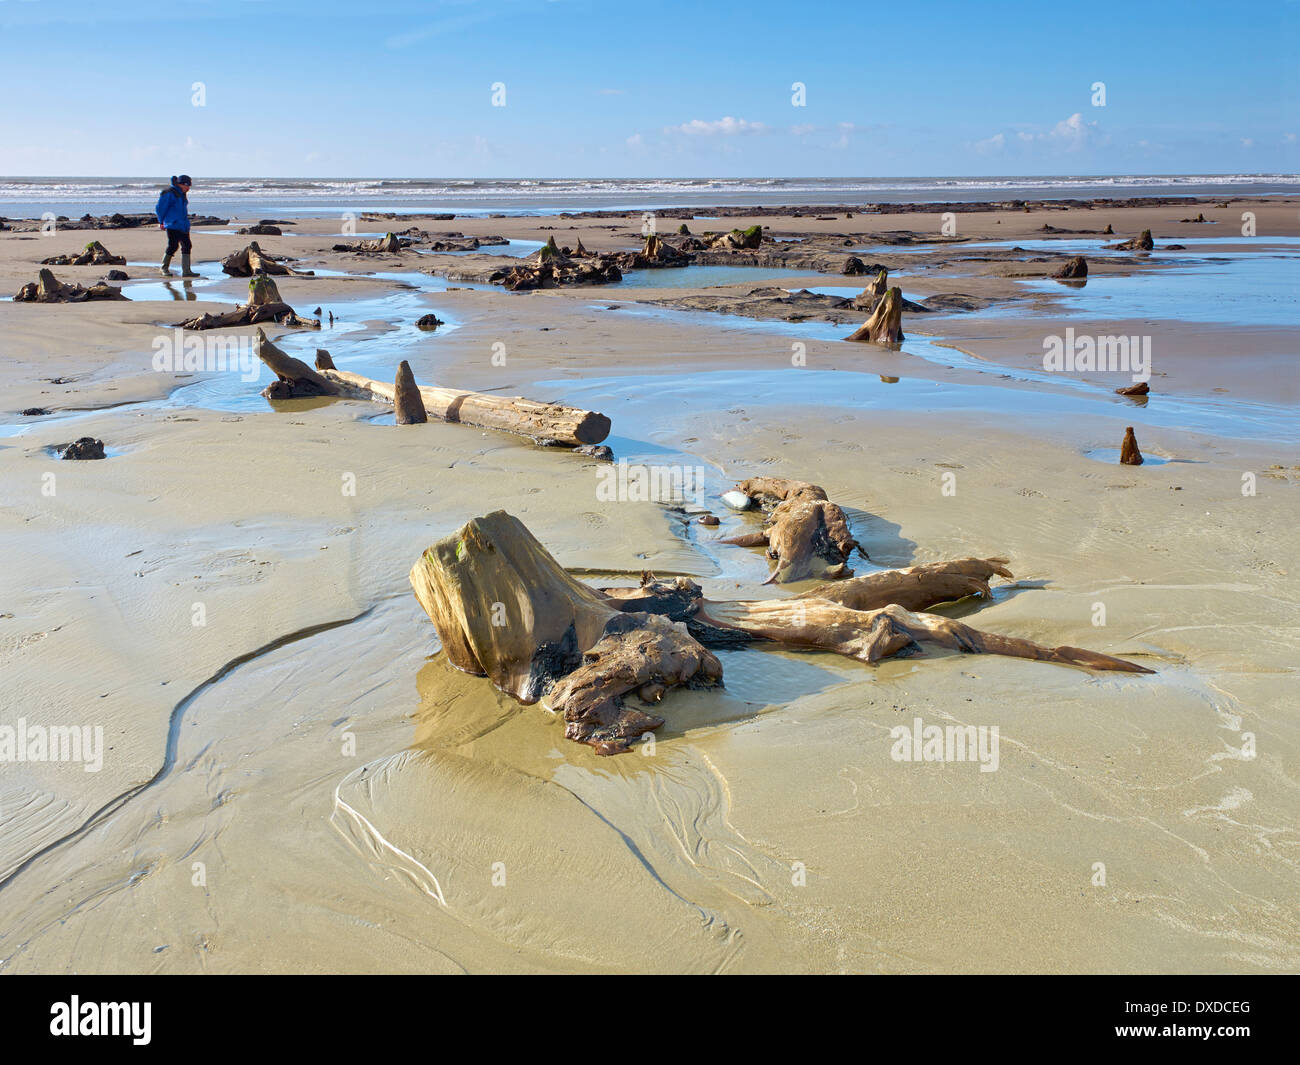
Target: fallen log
column 885, row 326
column 264, row 305
column 804, row 531
column 505, row 609
column 511, row 414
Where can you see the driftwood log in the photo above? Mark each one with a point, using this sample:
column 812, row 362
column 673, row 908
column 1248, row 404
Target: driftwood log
column 803, row 531
column 885, row 326
column 544, row 422
column 505, row 609
column 264, row 305
column 252, row 260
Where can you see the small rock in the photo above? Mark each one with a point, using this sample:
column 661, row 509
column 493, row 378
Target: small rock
column 596, row 451
column 86, row 447
column 737, row 500
column 708, row 519
column 1139, row 389
column 34, row 412
column 428, row 321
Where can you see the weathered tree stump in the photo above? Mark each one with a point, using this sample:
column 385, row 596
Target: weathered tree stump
column 506, row 610
column 407, row 402
column 264, row 305
column 253, row 260
column 95, row 254
column 1075, row 269
column 804, row 531
column 885, row 326
column 1129, row 455
column 48, row 289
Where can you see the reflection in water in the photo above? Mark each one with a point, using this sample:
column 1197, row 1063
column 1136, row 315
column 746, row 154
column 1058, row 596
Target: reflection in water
column 184, row 293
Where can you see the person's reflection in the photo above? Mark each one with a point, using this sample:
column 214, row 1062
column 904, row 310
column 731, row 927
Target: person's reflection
column 186, row 291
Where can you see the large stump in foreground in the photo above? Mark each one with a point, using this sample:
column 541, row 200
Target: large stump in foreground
column 506, row 610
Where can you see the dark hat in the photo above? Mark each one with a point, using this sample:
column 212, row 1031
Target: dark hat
column 184, row 179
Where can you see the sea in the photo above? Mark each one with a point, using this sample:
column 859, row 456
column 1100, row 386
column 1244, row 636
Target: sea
column 31, row 197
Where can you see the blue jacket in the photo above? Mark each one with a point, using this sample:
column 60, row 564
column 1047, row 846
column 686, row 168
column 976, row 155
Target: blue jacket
column 173, row 209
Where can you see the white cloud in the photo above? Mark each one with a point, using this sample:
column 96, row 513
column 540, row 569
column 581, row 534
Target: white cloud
column 1288, row 138
column 799, row 131
column 994, row 143
column 722, row 127
column 1247, row 142
column 1074, row 132
column 634, row 141
column 611, row 92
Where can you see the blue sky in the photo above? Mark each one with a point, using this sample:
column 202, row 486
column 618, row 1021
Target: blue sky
column 400, row 88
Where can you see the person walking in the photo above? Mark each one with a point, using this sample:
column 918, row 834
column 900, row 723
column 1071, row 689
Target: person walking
column 173, row 213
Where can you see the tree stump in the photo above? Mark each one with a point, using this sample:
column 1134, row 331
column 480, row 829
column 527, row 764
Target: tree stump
column 1129, row 455
column 804, row 532
column 504, row 609
column 885, row 326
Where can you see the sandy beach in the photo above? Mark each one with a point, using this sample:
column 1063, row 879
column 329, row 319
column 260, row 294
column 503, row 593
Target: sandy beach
column 294, row 779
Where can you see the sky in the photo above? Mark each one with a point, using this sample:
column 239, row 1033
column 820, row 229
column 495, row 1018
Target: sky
column 610, row 88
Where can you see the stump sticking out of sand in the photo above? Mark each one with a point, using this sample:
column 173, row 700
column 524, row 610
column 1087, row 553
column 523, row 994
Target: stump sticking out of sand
column 264, row 305
column 885, row 326
column 388, row 244
column 1075, row 269
column 253, row 260
column 1129, row 455
column 804, row 531
column 1139, row 389
column 1142, row 242
column 504, row 609
column 49, row 289
column 407, row 402
column 95, row 254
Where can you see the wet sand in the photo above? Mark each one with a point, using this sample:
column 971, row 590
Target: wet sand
column 354, row 804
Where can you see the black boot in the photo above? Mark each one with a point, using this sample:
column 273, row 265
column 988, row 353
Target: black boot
column 185, row 265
